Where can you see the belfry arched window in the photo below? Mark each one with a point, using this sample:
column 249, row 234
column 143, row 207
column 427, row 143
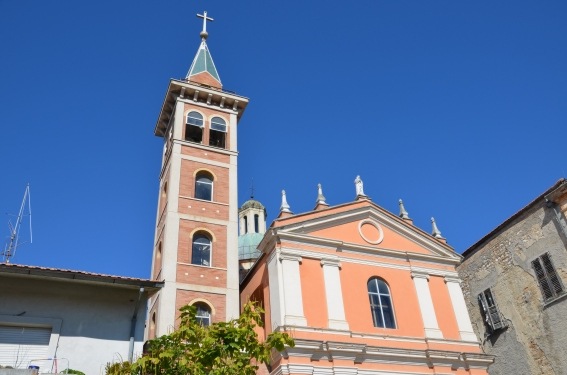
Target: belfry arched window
column 203, row 313
column 217, row 136
column 204, row 186
column 201, row 250
column 194, row 127
column 381, row 305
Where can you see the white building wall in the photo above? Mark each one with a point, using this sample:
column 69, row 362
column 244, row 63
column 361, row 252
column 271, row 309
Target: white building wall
column 90, row 323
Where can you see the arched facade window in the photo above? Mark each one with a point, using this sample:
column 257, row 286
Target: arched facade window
column 201, row 250
column 203, row 313
column 381, row 305
column 257, row 223
column 217, row 136
column 194, row 127
column 204, row 186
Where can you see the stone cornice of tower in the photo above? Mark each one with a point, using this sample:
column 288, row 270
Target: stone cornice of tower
column 193, row 91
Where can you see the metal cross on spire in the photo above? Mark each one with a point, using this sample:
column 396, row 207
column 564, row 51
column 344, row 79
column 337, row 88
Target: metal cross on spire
column 252, row 190
column 204, row 33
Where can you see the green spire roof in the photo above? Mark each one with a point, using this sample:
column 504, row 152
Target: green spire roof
column 203, row 62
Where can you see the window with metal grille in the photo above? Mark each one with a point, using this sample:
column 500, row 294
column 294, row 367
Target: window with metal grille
column 549, row 282
column 194, row 127
column 381, row 304
column 217, row 136
column 492, row 316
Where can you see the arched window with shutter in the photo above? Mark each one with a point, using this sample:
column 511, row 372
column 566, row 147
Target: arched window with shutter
column 194, row 127
column 217, row 135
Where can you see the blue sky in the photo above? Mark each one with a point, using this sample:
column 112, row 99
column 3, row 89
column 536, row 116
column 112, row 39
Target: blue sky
column 458, row 107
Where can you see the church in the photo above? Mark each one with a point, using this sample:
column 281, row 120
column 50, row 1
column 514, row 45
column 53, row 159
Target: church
column 360, row 289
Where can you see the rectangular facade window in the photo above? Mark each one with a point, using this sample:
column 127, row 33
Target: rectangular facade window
column 549, row 282
column 492, row 316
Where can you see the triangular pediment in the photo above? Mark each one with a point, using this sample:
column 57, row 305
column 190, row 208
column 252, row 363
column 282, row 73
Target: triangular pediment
column 365, row 226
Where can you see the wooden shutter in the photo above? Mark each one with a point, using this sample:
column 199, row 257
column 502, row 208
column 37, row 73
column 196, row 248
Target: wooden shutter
column 548, row 280
column 554, row 280
column 491, row 314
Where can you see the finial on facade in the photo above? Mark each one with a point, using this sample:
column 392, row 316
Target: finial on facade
column 403, row 213
column 284, row 207
column 359, row 187
column 435, row 231
column 252, row 190
column 320, row 196
column 204, row 33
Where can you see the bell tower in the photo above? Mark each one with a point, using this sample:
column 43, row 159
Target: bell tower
column 196, row 235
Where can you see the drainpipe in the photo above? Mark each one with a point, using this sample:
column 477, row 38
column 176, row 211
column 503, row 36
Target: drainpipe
column 133, row 326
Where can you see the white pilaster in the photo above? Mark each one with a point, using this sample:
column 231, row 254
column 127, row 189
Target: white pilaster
column 179, row 120
column 276, row 296
column 293, row 299
column 233, row 121
column 232, row 277
column 421, row 282
column 460, row 309
column 167, row 296
column 334, row 294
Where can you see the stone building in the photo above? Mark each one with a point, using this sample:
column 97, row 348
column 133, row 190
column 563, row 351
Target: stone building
column 514, row 282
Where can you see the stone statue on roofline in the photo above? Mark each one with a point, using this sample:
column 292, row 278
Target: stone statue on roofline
column 359, row 186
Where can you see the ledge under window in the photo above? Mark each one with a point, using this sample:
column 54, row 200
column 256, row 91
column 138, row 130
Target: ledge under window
column 553, row 301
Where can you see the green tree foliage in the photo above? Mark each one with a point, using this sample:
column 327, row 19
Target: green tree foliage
column 223, row 348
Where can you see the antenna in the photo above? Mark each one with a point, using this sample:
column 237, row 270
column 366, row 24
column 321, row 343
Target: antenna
column 13, row 243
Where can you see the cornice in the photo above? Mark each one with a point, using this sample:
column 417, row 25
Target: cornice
column 342, row 258
column 205, row 148
column 189, row 92
column 359, row 353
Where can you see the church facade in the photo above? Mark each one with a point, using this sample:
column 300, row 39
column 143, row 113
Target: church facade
column 361, row 290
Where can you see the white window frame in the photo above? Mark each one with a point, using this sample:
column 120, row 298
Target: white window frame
column 215, row 126
column 208, row 314
column 210, row 244
column 212, row 184
column 380, row 294
column 188, row 123
column 202, row 119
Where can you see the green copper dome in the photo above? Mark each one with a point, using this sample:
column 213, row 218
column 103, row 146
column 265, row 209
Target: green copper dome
column 247, row 245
